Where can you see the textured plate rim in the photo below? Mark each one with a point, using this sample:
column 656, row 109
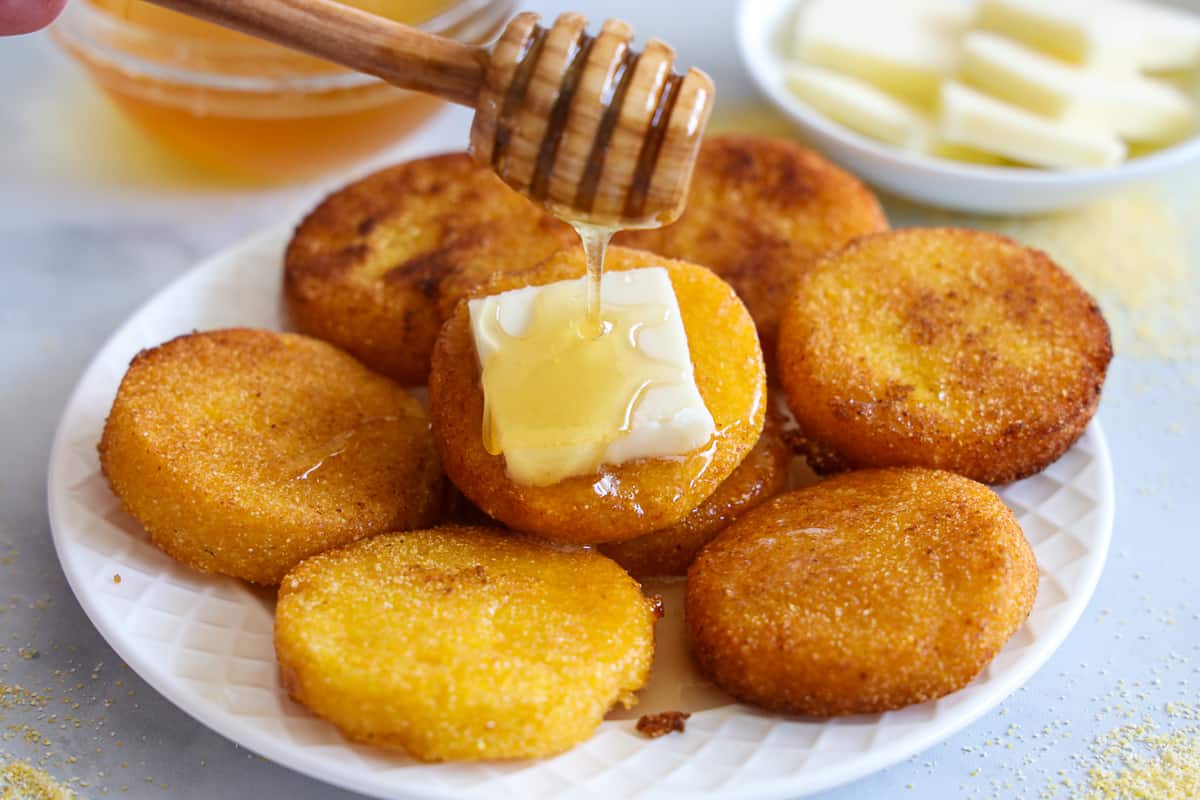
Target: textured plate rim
column 284, row 754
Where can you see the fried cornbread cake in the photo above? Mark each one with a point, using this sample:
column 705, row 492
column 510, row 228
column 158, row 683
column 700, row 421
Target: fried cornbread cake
column 670, row 551
column 463, row 643
column 947, row 348
column 866, row 592
column 760, row 213
column 245, row 451
column 624, row 500
column 379, row 264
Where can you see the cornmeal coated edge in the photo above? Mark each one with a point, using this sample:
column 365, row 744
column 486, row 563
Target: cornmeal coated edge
column 623, row 501
column 243, row 451
column 379, row 264
column 670, row 551
column 463, row 643
column 761, row 212
column 941, row 347
column 867, row 592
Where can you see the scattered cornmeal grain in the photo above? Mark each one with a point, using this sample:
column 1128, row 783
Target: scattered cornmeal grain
column 20, row 780
column 1143, row 761
column 653, row 726
column 117, row 578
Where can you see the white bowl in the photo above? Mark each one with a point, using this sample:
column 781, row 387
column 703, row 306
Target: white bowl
column 764, row 31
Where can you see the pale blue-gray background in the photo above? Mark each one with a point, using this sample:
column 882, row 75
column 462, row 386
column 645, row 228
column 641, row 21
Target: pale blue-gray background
column 87, row 234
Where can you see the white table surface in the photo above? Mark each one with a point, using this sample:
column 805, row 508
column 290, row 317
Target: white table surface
column 88, row 233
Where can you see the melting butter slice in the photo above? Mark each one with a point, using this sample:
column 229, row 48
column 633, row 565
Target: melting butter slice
column 977, row 120
column 560, row 403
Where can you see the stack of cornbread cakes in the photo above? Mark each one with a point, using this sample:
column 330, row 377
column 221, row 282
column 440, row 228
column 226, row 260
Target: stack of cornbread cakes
column 430, row 601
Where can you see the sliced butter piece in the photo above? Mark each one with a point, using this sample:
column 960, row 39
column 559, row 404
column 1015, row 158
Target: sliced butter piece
column 1017, row 74
column 976, row 120
column 857, row 104
column 1082, row 32
column 1136, row 108
column 904, row 51
column 671, row 417
column 1160, row 38
column 938, row 147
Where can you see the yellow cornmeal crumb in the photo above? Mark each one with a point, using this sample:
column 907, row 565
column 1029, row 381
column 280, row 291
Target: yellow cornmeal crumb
column 20, row 780
column 1138, row 761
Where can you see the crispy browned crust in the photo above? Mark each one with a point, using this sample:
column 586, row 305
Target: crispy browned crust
column 863, row 593
column 463, row 643
column 243, row 451
column 630, row 499
column 653, row 726
column 944, row 348
column 378, row 266
column 760, row 213
column 670, row 551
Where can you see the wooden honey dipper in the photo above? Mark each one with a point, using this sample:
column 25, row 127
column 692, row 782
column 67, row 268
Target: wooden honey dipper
column 597, row 132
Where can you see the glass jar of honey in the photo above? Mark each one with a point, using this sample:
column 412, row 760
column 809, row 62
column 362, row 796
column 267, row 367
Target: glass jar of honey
column 249, row 108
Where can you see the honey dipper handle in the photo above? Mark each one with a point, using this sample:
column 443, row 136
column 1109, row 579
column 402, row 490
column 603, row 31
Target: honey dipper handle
column 404, row 56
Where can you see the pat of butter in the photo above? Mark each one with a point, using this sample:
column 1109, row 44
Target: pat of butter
column 906, row 51
column 1138, row 109
column 857, row 105
column 576, row 402
column 1117, row 35
column 976, row 120
column 1066, row 29
column 1161, row 38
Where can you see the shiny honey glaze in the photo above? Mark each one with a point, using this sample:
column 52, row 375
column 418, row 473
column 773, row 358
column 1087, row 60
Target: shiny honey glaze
column 309, row 465
column 268, row 133
column 595, row 239
column 565, row 391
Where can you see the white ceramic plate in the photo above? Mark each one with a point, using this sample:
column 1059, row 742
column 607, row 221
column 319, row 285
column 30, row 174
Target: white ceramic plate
column 764, row 36
column 205, row 642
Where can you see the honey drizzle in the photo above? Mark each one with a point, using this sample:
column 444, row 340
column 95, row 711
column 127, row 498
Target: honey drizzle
column 587, row 331
column 595, row 240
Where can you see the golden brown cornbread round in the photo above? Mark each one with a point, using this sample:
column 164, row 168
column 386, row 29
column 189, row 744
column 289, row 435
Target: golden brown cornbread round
column 629, row 499
column 670, row 551
column 760, row 213
column 866, row 592
column 378, row 265
column 944, row 348
column 463, row 643
column 243, row 451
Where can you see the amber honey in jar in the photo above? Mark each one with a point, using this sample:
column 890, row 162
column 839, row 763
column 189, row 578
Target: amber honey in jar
column 251, row 108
